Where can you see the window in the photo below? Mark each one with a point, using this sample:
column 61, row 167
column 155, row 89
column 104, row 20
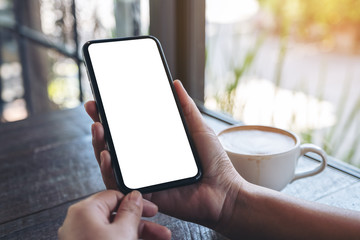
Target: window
column 292, row 64
column 40, row 56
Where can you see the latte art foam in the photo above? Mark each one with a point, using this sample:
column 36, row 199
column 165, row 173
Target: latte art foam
column 256, row 142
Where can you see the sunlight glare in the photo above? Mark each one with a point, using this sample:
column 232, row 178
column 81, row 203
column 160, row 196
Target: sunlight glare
column 230, row 11
column 259, row 101
column 15, row 111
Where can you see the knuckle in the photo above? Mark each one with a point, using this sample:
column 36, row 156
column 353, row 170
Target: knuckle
column 78, row 209
column 59, row 232
column 132, row 209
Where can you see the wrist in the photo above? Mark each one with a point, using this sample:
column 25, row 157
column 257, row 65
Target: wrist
column 235, row 203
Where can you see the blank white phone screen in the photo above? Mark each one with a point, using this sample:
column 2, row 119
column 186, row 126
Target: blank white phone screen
column 147, row 132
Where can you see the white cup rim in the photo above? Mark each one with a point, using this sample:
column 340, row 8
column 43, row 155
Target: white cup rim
column 263, row 128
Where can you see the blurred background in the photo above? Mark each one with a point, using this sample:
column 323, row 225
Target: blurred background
column 293, row 64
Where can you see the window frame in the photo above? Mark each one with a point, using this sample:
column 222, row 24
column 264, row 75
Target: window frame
column 25, row 35
column 180, row 27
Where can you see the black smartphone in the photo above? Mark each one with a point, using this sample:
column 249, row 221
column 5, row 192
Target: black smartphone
column 145, row 130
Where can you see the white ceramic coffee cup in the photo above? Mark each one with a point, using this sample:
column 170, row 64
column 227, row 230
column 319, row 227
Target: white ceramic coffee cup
column 273, row 170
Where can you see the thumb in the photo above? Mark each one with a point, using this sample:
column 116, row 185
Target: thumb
column 192, row 115
column 129, row 214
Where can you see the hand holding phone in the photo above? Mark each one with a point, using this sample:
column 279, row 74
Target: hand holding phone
column 145, row 130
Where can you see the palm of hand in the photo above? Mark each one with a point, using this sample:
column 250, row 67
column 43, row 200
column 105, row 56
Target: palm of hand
column 201, row 202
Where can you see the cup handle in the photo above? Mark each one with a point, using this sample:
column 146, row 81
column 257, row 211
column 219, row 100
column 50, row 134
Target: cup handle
column 305, row 148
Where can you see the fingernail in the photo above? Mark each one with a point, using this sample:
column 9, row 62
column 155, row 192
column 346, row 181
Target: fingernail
column 136, row 197
column 101, row 159
column 180, row 83
column 93, row 130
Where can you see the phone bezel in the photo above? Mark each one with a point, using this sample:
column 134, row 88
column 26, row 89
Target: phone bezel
column 115, row 164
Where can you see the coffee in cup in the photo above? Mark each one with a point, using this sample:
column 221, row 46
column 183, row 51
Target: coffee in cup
column 267, row 156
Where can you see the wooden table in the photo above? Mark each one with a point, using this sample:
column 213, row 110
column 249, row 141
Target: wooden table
column 47, row 164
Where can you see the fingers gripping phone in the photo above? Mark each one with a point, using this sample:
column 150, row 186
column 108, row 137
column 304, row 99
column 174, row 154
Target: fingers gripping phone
column 146, row 134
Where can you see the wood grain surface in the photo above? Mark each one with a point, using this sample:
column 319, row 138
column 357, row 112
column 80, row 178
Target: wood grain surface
column 46, row 163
